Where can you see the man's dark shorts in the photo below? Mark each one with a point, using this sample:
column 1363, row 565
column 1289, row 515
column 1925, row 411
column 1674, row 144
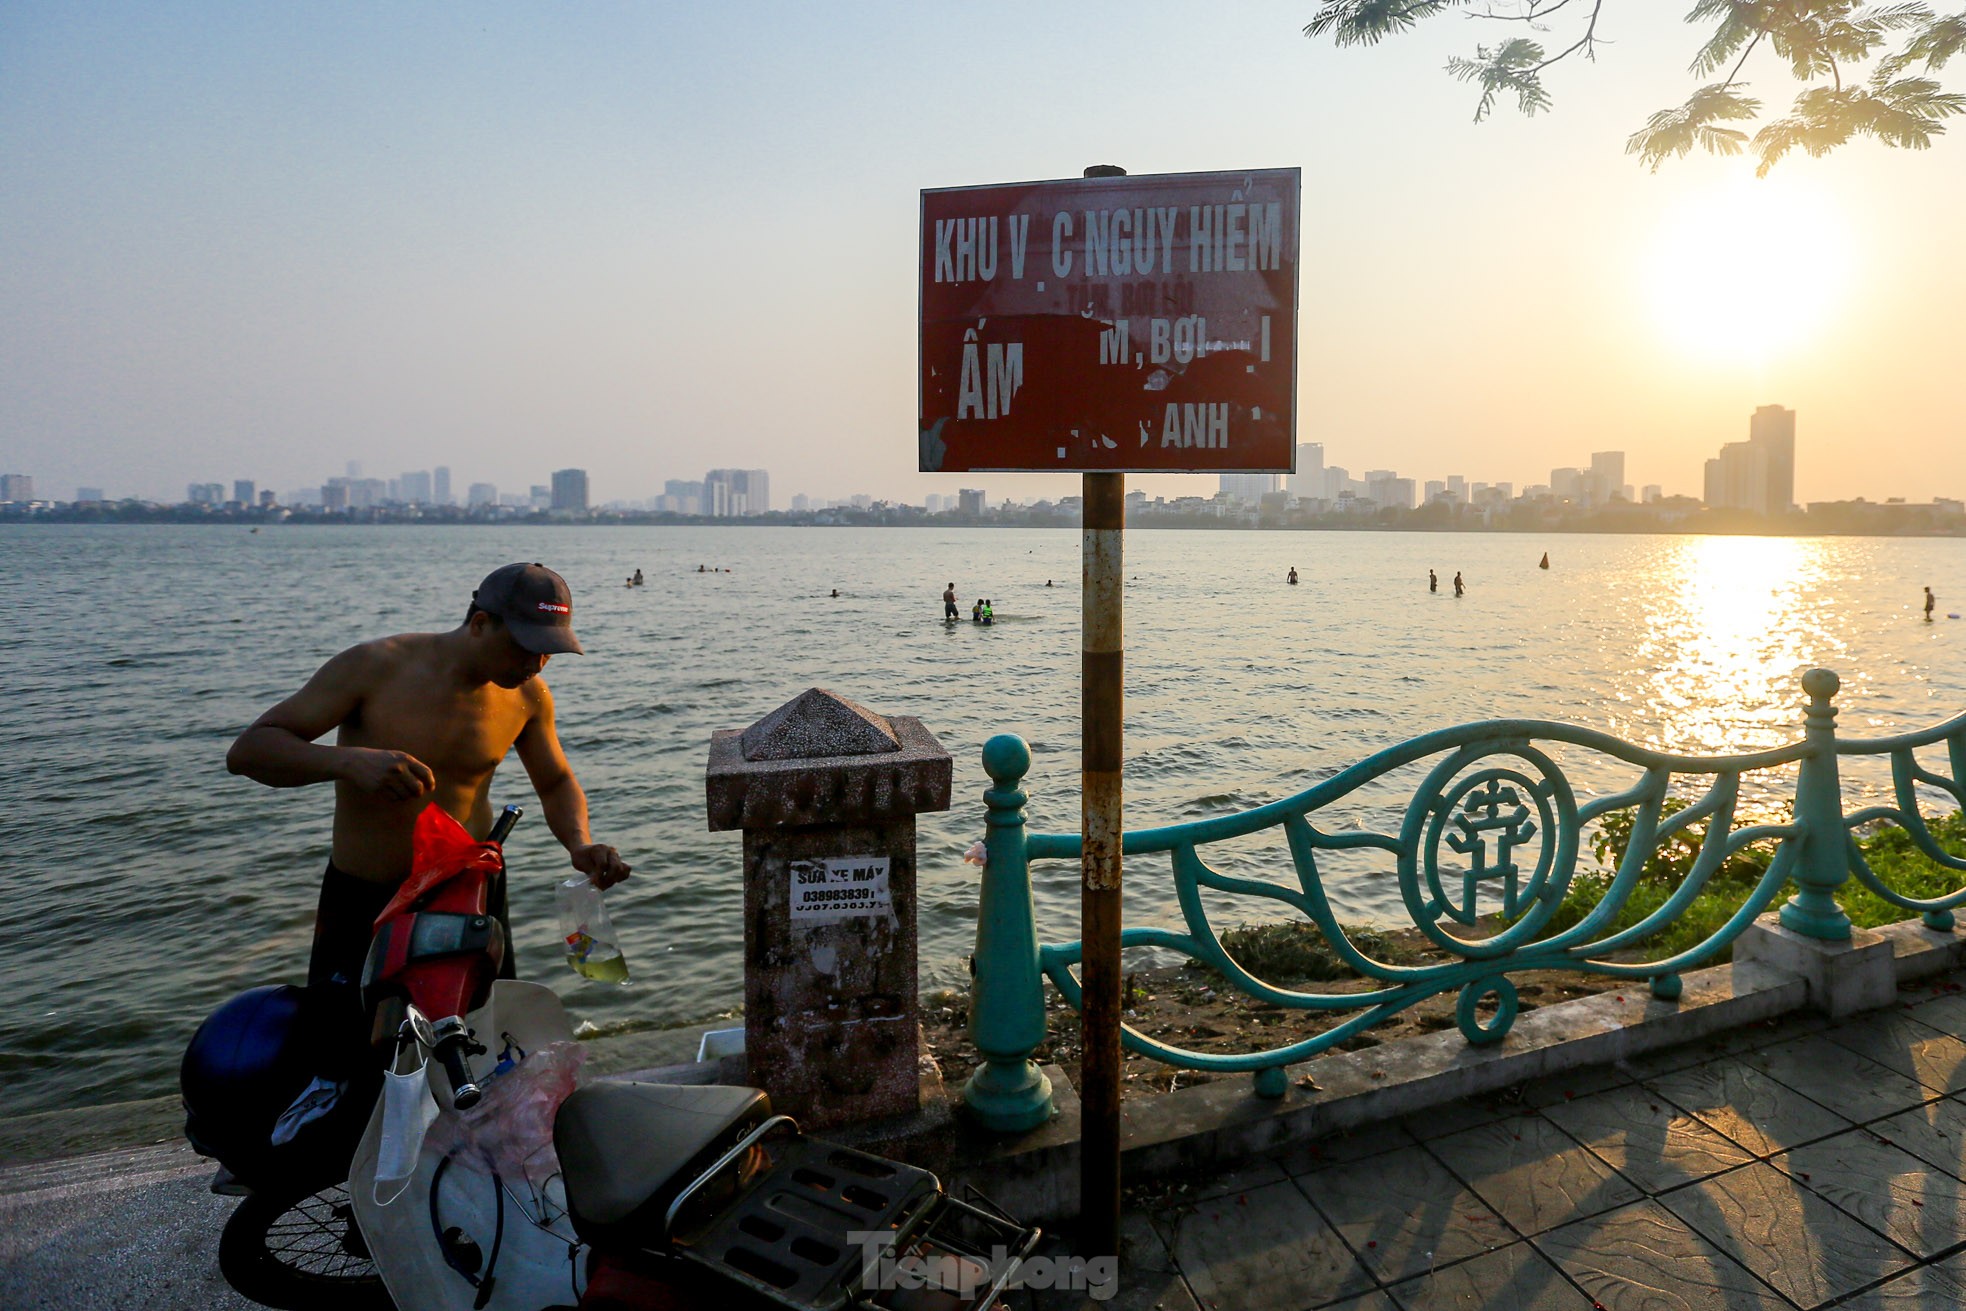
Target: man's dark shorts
column 343, row 924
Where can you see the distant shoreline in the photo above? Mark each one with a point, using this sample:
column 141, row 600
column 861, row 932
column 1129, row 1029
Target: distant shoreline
column 1731, row 526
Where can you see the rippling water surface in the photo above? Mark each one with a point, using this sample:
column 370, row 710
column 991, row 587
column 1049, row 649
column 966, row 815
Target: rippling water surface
column 140, row 884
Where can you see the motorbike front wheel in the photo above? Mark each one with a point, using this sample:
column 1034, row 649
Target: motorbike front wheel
column 301, row 1254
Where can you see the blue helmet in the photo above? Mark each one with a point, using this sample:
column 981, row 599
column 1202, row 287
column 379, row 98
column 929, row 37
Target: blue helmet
column 245, row 1066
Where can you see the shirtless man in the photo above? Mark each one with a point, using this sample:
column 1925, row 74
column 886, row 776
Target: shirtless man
column 425, row 719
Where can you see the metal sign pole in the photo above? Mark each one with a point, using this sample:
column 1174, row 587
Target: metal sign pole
column 1102, row 702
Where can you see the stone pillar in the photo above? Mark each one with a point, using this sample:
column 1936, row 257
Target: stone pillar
column 827, row 792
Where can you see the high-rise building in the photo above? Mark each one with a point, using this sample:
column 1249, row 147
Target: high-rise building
column 205, row 493
column 1759, row 473
column 243, row 491
column 16, row 487
column 1307, row 484
column 1653, row 492
column 1249, row 488
column 1457, row 487
column 570, row 490
column 440, row 487
column 81, row 494
column 267, row 500
column 801, row 503
column 736, row 493
column 334, row 495
column 680, row 496
column 414, row 488
column 1385, row 487
column 1772, row 428
column 1567, row 484
column 1607, row 477
column 481, row 494
column 971, row 500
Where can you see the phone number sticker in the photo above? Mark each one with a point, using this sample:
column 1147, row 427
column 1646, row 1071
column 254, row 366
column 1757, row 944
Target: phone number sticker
column 839, row 888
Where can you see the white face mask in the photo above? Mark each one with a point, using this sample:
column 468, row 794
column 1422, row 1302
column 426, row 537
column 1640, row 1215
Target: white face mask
column 409, row 1108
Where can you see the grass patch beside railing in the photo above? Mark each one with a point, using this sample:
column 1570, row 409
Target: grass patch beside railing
column 1296, row 951
column 1887, row 847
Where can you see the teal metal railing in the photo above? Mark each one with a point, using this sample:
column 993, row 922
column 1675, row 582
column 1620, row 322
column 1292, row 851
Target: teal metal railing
column 1496, row 815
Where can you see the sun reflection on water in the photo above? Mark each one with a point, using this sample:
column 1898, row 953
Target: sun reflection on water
column 1721, row 654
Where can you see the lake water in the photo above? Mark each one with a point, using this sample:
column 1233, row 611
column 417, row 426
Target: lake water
column 140, row 884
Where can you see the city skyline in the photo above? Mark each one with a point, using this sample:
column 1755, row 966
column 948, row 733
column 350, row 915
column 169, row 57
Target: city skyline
column 239, row 239
column 1757, row 475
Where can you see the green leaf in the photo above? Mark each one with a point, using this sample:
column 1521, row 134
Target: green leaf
column 1515, row 66
column 1367, row 22
column 1675, row 132
column 1906, row 113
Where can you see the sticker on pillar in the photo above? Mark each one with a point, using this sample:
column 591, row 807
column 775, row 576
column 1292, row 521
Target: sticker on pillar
column 840, row 888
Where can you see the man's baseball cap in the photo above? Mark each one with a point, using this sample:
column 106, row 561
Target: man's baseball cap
column 534, row 604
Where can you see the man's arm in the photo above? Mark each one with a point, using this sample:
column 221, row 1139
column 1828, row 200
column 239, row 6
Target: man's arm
column 279, row 749
column 560, row 797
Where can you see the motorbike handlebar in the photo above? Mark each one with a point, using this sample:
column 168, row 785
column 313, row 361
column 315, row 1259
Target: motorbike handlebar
column 453, row 1045
column 502, row 826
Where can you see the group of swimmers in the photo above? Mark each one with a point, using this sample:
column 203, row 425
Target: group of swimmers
column 983, row 612
column 634, row 579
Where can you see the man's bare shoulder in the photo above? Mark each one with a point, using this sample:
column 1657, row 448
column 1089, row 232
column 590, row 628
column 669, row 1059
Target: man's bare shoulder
column 383, row 657
column 536, row 696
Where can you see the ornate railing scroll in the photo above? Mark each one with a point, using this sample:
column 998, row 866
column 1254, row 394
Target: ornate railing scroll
column 1907, row 776
column 1495, row 816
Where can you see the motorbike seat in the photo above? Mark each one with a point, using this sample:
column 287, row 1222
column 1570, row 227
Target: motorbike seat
column 627, row 1149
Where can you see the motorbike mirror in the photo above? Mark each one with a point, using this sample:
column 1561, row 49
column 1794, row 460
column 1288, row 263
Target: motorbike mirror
column 417, row 1025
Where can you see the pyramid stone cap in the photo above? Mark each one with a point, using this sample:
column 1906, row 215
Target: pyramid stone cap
column 822, row 761
column 815, row 724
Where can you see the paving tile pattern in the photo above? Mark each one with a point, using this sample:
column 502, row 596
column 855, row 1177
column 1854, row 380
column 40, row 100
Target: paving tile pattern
column 1796, row 1164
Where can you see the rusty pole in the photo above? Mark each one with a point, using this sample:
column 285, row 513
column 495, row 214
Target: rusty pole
column 1102, row 702
column 1102, row 738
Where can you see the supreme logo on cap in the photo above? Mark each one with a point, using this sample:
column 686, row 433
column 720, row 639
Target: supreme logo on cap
column 556, row 607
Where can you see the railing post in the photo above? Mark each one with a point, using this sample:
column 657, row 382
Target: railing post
column 1824, row 859
column 1008, row 1092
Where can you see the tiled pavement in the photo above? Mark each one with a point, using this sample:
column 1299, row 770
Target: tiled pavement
column 1799, row 1164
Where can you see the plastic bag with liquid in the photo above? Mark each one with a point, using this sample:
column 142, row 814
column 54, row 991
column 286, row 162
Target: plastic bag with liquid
column 592, row 948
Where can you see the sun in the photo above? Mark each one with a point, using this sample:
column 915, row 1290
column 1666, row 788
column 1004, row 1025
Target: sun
column 1748, row 270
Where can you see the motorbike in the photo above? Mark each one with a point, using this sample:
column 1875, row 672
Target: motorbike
column 470, row 1172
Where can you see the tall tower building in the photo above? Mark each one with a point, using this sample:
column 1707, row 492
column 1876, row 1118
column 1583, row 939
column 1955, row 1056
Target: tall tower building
column 570, row 490
column 1607, row 478
column 1772, row 428
column 1308, row 482
column 440, row 484
column 1759, row 473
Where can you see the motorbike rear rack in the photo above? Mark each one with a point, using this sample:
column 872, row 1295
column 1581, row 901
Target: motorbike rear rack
column 808, row 1232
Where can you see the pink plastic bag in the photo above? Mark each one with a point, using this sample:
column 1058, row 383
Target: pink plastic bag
column 511, row 1130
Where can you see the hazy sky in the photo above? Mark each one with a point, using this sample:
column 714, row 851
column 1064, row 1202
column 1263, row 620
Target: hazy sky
column 260, row 241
